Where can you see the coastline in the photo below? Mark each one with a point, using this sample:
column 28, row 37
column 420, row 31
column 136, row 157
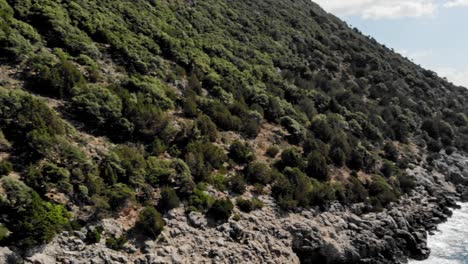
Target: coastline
column 448, row 244
column 339, row 234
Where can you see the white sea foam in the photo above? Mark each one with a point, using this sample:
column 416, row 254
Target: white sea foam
column 449, row 245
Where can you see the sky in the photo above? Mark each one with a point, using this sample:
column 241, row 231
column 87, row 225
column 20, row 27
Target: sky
column 432, row 33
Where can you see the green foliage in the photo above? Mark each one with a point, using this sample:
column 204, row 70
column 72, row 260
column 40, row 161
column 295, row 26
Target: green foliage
column 381, row 193
column 150, row 222
column 94, row 235
column 241, row 152
column 36, row 221
column 258, row 172
column 126, row 69
column 116, row 243
column 291, row 157
column 57, row 80
column 97, row 106
column 47, row 177
column 237, row 184
column 202, row 157
column 190, row 107
column 127, row 165
column 3, row 232
column 249, row 205
column 272, row 151
column 317, row 166
column 169, row 200
column 200, row 200
column 5, row 167
column 391, row 152
column 207, row 128
column 119, row 194
column 221, row 209
column 355, row 190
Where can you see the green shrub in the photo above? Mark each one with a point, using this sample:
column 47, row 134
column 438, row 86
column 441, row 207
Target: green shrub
column 97, row 107
column 258, row 172
column 5, row 167
column 169, row 200
column 3, row 232
column 202, row 157
column 291, row 157
column 207, row 128
column 338, row 156
column 406, row 182
column 355, row 190
column 389, row 169
column 200, row 201
column 58, row 80
column 190, row 107
column 272, row 151
column 249, row 205
column 119, row 194
column 391, row 152
column 221, row 209
column 241, row 152
column 116, row 243
column 321, row 128
column 94, row 235
column 317, row 166
column 150, row 222
column 35, row 221
column 237, row 184
column 381, row 193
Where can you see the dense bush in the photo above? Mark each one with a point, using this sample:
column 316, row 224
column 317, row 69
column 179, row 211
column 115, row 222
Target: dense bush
column 116, row 243
column 317, row 166
column 150, row 221
column 249, row 205
column 200, row 200
column 5, row 167
column 202, row 157
column 272, row 151
column 119, row 194
column 57, row 80
column 94, row 235
column 221, row 209
column 381, row 193
column 36, row 221
column 391, row 152
column 258, row 172
column 169, row 200
column 237, row 184
column 291, row 157
column 241, row 152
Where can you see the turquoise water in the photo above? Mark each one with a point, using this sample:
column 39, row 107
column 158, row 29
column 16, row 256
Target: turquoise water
column 449, row 245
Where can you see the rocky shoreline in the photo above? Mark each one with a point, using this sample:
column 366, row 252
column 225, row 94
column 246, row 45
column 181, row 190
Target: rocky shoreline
column 336, row 235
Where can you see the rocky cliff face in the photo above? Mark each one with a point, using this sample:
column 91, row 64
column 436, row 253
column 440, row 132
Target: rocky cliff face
column 335, row 235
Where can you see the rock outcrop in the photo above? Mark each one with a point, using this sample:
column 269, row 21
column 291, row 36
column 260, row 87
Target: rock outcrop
column 336, row 235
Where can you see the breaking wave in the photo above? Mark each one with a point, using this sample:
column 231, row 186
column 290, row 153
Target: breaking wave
column 449, row 245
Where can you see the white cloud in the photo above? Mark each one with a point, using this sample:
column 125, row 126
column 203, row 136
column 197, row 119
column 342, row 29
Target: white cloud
column 459, row 76
column 381, row 9
column 456, row 3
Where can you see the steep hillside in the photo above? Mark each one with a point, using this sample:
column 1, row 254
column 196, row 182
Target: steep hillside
column 125, row 110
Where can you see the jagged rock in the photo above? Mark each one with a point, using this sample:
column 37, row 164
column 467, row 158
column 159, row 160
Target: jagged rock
column 458, row 178
column 7, row 256
column 340, row 235
column 197, row 219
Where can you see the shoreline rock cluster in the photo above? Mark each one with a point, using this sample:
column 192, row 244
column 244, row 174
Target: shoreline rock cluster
column 337, row 235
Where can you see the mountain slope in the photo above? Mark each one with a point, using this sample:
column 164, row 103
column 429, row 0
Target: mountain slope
column 111, row 107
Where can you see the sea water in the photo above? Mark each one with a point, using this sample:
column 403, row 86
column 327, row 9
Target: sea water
column 449, row 245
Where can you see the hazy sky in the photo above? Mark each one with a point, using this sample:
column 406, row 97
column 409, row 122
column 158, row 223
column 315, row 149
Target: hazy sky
column 433, row 33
